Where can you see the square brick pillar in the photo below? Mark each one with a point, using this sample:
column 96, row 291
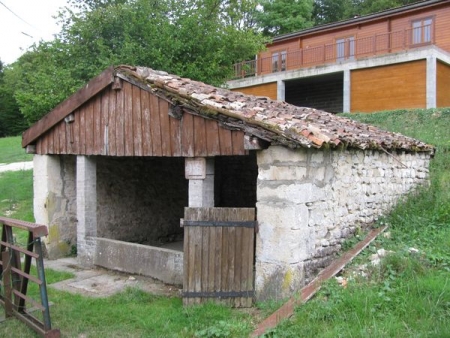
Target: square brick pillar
column 200, row 173
column 86, row 209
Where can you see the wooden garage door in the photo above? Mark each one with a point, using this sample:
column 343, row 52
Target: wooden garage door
column 219, row 255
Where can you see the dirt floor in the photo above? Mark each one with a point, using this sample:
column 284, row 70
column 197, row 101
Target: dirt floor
column 99, row 282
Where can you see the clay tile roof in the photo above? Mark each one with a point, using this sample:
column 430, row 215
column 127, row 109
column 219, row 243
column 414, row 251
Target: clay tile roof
column 274, row 121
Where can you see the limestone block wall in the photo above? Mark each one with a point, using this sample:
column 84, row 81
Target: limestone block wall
column 55, row 202
column 309, row 201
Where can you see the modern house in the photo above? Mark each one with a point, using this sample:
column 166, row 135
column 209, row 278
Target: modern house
column 261, row 192
column 398, row 58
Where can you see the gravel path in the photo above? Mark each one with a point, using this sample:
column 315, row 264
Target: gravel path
column 16, row 166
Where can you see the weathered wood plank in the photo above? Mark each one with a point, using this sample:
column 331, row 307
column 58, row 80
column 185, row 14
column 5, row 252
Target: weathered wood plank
column 165, row 127
column 226, row 146
column 62, row 138
column 212, row 138
column 137, row 121
column 69, row 105
column 200, row 145
column 187, row 135
column 75, row 136
column 89, row 127
column 120, row 123
column 82, row 131
column 238, row 258
column 112, row 111
column 128, row 118
column 187, row 270
column 155, row 128
column 175, row 133
column 98, row 130
column 104, row 123
column 49, row 142
column 237, row 138
column 220, row 261
column 146, row 121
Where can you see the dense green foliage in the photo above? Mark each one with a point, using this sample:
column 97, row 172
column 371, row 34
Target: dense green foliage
column 284, row 16
column 12, row 121
column 200, row 39
column 328, row 11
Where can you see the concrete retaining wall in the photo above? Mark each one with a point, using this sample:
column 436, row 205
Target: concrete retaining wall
column 163, row 264
column 310, row 201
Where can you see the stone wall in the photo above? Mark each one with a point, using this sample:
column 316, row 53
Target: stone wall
column 55, row 202
column 310, row 201
column 141, row 200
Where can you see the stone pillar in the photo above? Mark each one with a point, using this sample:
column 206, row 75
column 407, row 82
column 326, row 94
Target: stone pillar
column 55, row 203
column 431, row 82
column 281, row 90
column 86, row 209
column 347, row 91
column 200, row 173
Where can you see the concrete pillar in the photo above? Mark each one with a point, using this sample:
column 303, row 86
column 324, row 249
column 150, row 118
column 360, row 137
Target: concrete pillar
column 347, row 91
column 281, row 90
column 200, row 173
column 86, row 209
column 431, row 82
column 47, row 185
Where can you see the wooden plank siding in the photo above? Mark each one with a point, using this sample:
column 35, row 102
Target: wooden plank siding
column 443, row 85
column 218, row 260
column 267, row 89
column 389, row 87
column 375, row 36
column 134, row 122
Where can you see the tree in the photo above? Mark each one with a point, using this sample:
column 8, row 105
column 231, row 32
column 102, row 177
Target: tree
column 277, row 17
column 200, row 39
column 328, row 11
column 12, row 121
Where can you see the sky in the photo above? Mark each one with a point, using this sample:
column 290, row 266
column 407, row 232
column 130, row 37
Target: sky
column 33, row 21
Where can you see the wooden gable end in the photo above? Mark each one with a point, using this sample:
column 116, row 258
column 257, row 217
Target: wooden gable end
column 134, row 122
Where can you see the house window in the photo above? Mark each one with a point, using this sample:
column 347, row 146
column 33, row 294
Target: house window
column 279, row 61
column 345, row 48
column 421, row 31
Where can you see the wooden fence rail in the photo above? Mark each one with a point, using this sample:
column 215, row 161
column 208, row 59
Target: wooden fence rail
column 14, row 280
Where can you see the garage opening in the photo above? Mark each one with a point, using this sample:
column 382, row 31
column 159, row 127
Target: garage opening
column 321, row 92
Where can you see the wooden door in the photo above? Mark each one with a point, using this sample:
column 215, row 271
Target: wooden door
column 219, row 255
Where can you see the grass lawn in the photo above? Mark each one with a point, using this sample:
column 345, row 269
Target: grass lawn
column 12, row 151
column 407, row 295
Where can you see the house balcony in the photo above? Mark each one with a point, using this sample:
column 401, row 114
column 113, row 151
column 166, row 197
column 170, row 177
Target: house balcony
column 338, row 52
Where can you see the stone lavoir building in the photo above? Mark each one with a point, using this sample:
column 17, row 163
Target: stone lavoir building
column 261, row 192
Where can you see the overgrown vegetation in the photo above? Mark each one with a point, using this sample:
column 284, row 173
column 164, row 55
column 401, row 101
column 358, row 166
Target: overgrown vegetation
column 407, row 295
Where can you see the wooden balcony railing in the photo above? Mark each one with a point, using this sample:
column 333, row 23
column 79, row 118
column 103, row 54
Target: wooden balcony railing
column 345, row 49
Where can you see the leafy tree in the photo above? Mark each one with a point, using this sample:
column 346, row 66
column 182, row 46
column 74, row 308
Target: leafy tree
column 200, row 39
column 327, row 11
column 11, row 120
column 277, row 17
